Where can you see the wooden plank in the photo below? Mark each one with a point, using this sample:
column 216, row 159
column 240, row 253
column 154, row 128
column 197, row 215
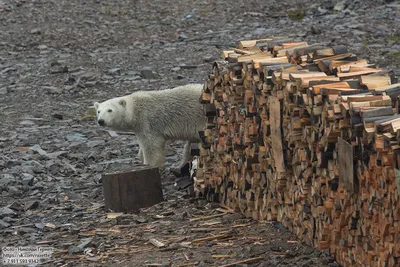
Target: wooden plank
column 397, row 175
column 275, row 119
column 385, row 111
column 249, row 58
column 132, row 190
column 335, row 57
column 346, row 165
column 356, row 73
column 387, row 87
column 210, row 110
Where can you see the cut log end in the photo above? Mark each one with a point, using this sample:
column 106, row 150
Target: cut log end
column 132, row 190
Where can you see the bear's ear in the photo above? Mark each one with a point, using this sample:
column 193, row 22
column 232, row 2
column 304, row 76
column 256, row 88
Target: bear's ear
column 96, row 105
column 122, row 102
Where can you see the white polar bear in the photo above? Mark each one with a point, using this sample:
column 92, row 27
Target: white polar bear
column 156, row 117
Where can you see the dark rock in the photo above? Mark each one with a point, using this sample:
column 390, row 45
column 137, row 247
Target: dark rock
column 141, row 219
column 183, row 183
column 95, row 143
column 86, row 75
column 259, row 31
column 182, row 37
column 4, row 224
column 232, row 217
column 188, row 67
column 35, row 31
column 315, row 30
column 39, row 150
column 278, row 225
column 308, row 250
column 276, row 249
column 290, row 254
column 85, row 242
column 5, row 211
column 62, row 69
column 149, row 74
column 52, row 90
column 210, row 244
column 74, row 250
column 6, row 180
column 15, row 206
column 114, row 71
column 76, row 137
column 26, row 230
column 28, row 179
column 40, row 225
column 57, row 116
column 259, row 249
column 30, row 205
column 330, row 259
column 208, row 58
column 15, row 191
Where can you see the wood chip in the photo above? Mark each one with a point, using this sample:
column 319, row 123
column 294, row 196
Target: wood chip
column 156, row 243
column 114, row 215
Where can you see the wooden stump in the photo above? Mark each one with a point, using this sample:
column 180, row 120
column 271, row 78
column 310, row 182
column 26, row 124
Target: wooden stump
column 130, row 191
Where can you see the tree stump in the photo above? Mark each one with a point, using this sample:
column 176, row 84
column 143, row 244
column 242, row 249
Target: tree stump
column 132, row 190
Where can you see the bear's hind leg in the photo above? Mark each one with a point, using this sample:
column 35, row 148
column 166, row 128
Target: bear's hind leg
column 186, row 153
column 154, row 153
column 140, row 154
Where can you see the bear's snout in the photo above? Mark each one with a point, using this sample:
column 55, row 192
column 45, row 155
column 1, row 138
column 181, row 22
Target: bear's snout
column 101, row 122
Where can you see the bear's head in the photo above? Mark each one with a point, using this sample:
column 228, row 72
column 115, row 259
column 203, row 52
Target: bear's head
column 111, row 113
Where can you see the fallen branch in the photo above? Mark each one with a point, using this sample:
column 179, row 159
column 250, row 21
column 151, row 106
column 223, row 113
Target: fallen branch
column 205, row 239
column 208, row 217
column 206, row 229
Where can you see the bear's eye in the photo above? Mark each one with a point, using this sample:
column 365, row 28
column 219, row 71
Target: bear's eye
column 98, row 111
column 109, row 110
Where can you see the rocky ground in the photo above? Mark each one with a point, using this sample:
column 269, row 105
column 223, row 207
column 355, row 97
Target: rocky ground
column 59, row 56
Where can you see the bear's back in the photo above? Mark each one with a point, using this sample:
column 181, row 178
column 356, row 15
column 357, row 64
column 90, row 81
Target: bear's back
column 175, row 113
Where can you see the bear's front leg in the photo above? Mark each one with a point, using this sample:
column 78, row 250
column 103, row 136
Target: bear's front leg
column 140, row 154
column 154, row 152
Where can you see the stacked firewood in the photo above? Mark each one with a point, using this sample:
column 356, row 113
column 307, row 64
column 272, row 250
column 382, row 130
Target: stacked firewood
column 307, row 135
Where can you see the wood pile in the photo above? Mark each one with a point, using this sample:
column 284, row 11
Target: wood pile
column 307, row 135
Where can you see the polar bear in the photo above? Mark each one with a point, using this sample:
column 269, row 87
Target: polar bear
column 156, row 117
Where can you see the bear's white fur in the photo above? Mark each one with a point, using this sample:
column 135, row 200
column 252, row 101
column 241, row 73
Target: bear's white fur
column 156, row 117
